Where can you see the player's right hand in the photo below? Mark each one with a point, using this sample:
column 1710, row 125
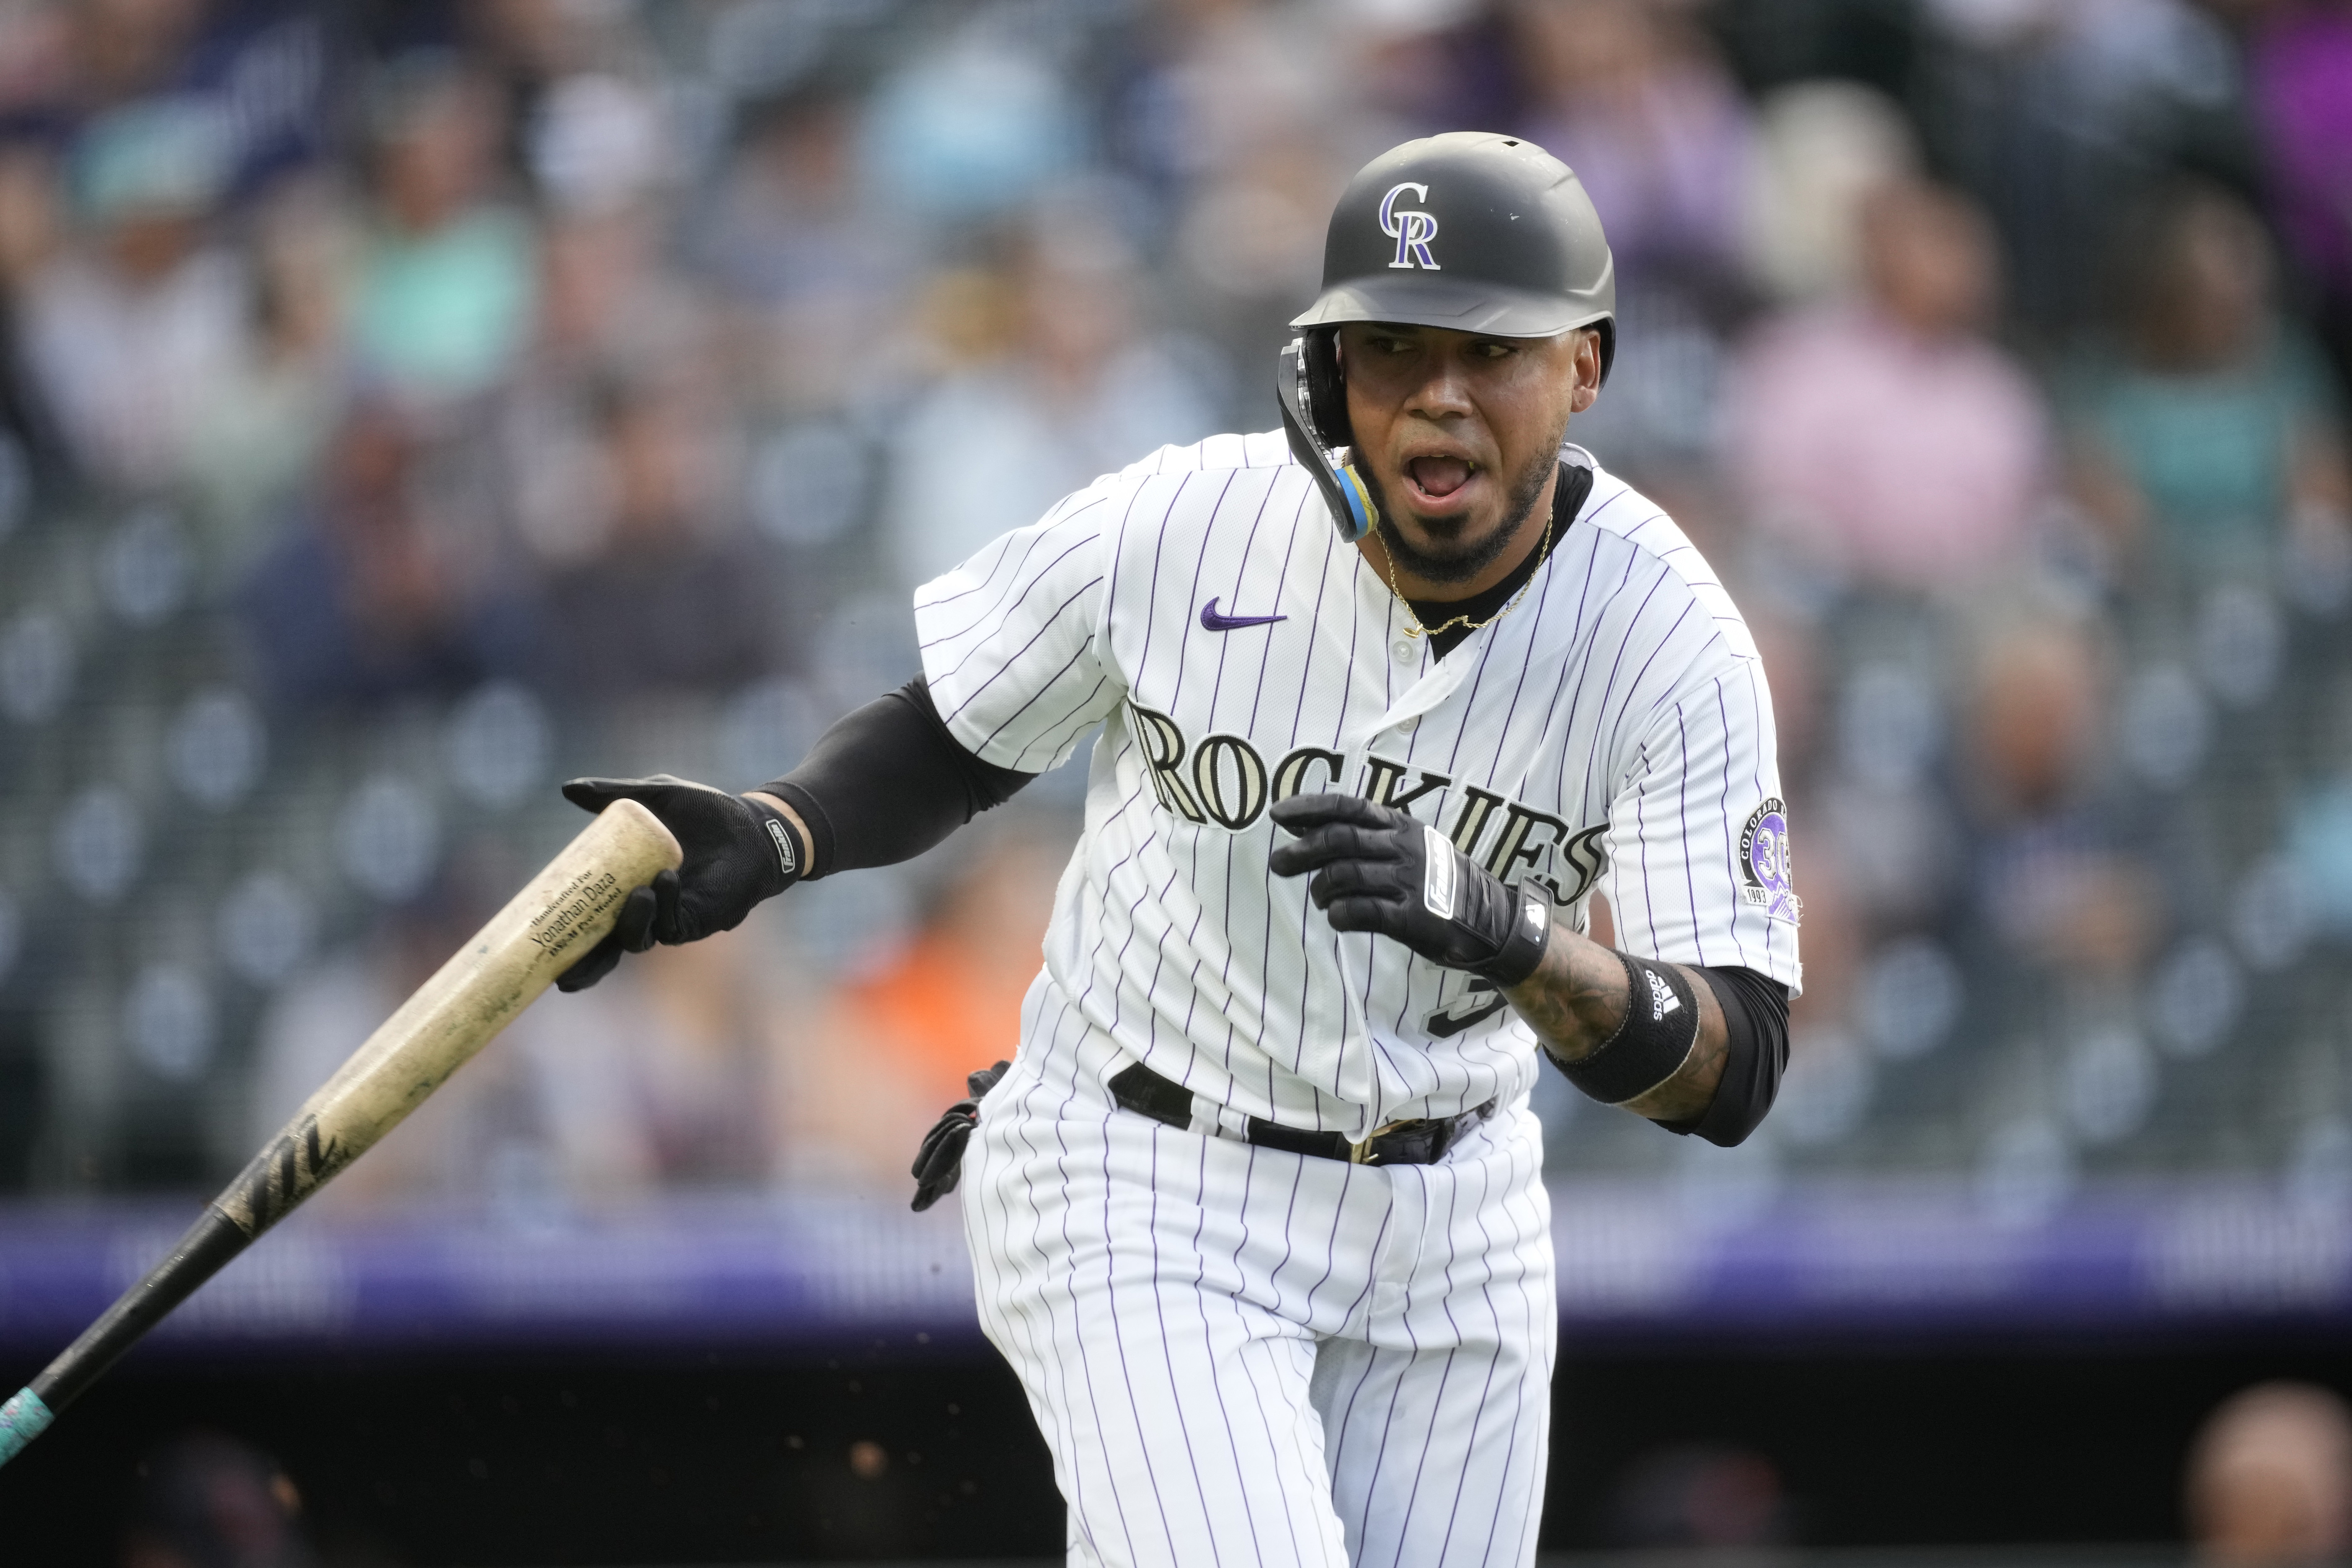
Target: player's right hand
column 737, row 852
column 1377, row 868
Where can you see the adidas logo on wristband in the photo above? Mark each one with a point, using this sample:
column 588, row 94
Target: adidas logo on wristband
column 1663, row 999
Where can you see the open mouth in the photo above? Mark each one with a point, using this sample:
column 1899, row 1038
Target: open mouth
column 1439, row 479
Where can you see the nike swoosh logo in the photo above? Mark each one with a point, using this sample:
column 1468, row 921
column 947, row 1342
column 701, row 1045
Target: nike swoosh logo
column 1211, row 621
column 1441, row 1025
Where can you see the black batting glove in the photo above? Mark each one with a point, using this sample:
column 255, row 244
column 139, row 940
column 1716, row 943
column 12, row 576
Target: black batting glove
column 1380, row 869
column 939, row 1163
column 632, row 932
column 737, row 852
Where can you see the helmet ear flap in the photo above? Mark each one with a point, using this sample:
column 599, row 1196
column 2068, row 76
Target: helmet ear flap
column 1313, row 400
column 1327, row 387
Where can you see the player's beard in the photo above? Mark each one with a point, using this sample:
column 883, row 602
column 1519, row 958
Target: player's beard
column 1464, row 559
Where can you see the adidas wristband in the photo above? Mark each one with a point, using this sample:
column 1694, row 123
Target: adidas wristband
column 1660, row 1028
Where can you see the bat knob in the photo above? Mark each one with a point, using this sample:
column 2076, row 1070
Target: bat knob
column 25, row 1417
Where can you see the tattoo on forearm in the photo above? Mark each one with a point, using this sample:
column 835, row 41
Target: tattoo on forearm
column 1577, row 998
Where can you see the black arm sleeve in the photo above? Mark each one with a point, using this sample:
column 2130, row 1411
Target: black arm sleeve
column 888, row 780
column 1756, row 1016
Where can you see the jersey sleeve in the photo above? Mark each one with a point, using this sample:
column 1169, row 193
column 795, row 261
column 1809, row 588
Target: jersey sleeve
column 1698, row 863
column 1010, row 640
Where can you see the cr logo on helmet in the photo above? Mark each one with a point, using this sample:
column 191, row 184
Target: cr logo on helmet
column 1412, row 230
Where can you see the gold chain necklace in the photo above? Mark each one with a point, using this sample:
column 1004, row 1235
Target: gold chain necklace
column 1416, row 629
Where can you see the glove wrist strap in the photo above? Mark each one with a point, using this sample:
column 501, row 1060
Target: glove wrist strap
column 1523, row 947
column 788, row 852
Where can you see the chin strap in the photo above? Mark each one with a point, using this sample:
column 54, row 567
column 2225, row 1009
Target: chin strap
column 1352, row 512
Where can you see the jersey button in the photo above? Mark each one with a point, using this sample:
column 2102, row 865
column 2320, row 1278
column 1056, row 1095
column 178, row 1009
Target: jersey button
column 1405, row 650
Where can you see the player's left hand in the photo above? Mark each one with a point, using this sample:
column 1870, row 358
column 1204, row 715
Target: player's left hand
column 939, row 1163
column 1380, row 869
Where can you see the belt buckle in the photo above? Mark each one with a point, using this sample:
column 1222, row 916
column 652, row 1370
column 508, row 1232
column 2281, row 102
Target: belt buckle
column 1363, row 1153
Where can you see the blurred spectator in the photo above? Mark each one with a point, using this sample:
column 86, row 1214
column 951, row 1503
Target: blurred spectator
column 445, row 286
column 2072, row 110
column 599, row 142
column 2270, row 1477
column 1823, row 147
column 1627, row 93
column 2206, row 431
column 32, row 212
column 799, row 238
column 668, row 1079
column 870, row 1077
column 2053, row 876
column 660, row 590
column 206, row 1500
column 564, row 70
column 1239, row 120
column 1889, row 443
column 791, row 215
column 1624, row 93
column 131, row 332
column 610, row 317
column 971, row 127
column 1250, row 242
column 263, row 428
column 1419, row 67
column 1081, row 389
column 2302, row 82
column 32, row 229
column 368, row 595
column 259, row 71
column 70, row 61
column 606, row 304
column 1224, row 81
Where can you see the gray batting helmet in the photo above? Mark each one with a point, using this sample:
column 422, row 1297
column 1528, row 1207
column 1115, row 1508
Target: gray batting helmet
column 1472, row 230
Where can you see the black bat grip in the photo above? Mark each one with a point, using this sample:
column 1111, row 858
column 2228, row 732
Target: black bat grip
column 267, row 1191
column 200, row 1254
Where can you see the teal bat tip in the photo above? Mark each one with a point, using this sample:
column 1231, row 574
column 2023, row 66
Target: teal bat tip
column 22, row 1420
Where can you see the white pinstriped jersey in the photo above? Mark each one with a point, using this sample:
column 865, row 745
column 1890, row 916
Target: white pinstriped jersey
column 1613, row 730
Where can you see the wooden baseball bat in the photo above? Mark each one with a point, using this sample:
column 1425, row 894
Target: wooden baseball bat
column 566, row 910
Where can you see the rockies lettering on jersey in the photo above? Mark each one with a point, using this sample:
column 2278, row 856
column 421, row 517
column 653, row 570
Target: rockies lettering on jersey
column 1614, row 732
column 1224, row 781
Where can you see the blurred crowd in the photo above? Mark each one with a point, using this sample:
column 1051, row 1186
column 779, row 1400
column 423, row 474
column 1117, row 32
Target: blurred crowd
column 402, row 407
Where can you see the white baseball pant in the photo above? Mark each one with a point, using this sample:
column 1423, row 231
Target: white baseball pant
column 1240, row 1356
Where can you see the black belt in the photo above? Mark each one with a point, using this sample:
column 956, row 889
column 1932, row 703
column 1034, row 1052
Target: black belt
column 1423, row 1141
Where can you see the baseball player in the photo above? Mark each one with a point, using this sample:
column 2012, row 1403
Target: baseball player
column 1385, row 696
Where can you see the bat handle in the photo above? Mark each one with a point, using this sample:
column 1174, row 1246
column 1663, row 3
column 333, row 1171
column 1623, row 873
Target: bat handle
column 203, row 1252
